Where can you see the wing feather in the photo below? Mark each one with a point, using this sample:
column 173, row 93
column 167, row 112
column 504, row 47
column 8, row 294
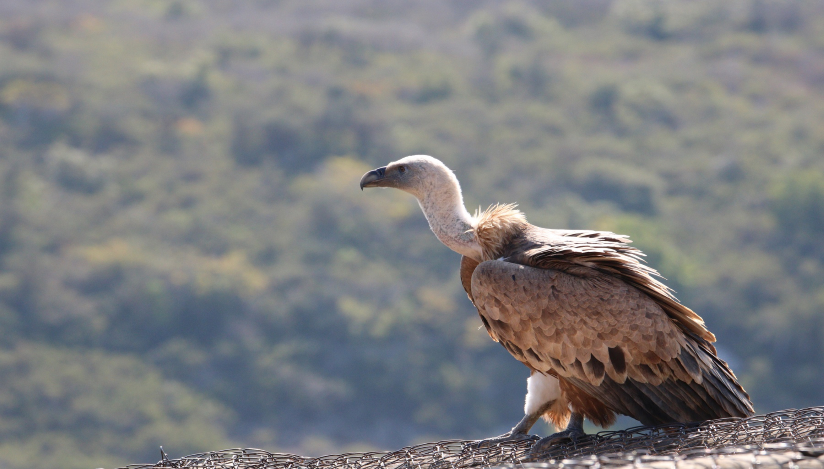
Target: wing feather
column 608, row 253
column 608, row 339
column 582, row 319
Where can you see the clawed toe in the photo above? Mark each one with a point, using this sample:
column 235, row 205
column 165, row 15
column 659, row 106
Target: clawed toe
column 545, row 444
column 510, row 437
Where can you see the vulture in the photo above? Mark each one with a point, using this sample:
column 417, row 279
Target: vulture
column 599, row 332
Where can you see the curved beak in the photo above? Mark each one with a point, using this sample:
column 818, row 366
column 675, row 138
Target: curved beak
column 373, row 178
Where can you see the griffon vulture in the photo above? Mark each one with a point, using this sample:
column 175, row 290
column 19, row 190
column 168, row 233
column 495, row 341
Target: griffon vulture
column 599, row 332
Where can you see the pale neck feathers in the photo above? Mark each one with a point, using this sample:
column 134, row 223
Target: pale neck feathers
column 441, row 200
column 481, row 237
column 495, row 227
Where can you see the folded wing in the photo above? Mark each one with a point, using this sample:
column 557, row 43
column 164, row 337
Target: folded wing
column 606, row 338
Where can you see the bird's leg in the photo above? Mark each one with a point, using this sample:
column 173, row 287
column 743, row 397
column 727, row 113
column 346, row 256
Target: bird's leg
column 519, row 432
column 542, row 392
column 573, row 431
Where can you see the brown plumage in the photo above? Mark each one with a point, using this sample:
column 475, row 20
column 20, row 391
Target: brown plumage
column 601, row 334
column 579, row 305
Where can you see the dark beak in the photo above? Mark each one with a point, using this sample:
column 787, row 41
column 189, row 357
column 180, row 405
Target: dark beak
column 373, row 178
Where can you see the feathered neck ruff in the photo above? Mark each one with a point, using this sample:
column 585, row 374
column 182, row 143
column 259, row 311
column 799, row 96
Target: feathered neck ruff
column 495, row 227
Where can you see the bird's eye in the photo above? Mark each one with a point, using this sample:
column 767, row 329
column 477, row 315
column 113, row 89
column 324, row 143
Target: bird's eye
column 401, row 169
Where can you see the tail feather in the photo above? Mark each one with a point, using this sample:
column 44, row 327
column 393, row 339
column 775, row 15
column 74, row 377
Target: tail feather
column 732, row 395
column 674, row 400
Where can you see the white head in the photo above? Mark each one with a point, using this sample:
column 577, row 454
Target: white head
column 419, row 175
column 439, row 195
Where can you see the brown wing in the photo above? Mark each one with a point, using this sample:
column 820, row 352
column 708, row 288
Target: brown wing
column 607, row 253
column 607, row 338
column 553, row 320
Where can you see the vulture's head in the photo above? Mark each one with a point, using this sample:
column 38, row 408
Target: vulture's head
column 419, row 175
column 439, row 195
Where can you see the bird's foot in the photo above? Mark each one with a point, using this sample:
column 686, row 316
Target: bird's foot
column 508, row 437
column 545, row 444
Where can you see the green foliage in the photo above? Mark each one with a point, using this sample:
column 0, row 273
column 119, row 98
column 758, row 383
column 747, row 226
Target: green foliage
column 798, row 207
column 185, row 258
column 61, row 408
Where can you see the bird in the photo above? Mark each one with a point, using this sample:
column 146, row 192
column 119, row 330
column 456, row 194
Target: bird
column 599, row 332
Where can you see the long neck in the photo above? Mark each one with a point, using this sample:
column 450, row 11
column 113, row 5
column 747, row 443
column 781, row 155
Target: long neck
column 449, row 220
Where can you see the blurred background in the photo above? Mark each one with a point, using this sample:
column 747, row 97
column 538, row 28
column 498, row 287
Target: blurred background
column 186, row 259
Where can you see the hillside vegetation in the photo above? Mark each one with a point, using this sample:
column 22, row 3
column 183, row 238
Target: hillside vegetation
column 186, row 259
